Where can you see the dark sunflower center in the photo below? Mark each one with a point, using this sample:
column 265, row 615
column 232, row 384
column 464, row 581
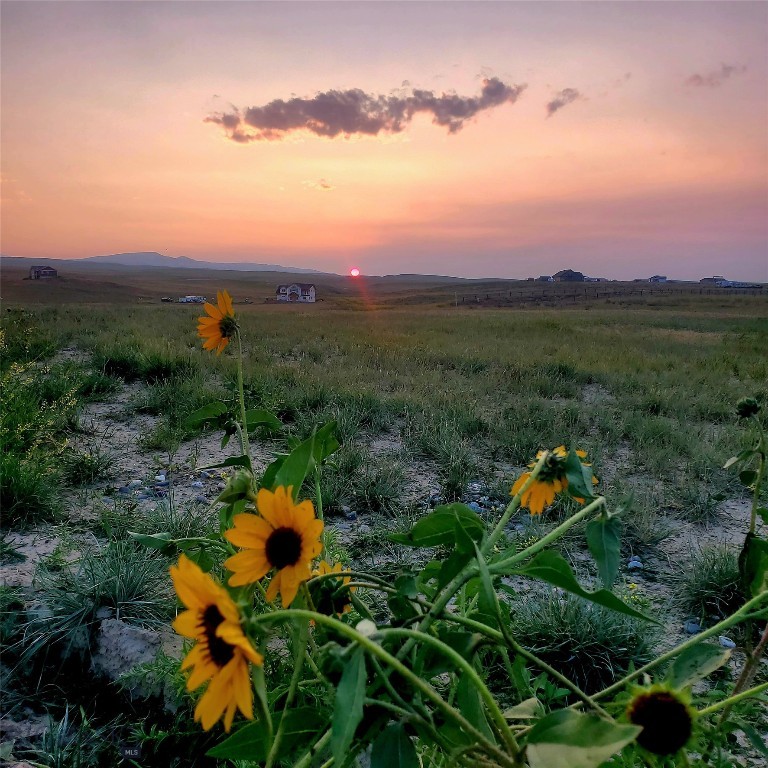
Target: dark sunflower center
column 220, row 651
column 666, row 722
column 228, row 326
column 283, row 547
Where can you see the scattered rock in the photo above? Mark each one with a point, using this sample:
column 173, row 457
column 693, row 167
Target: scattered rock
column 692, row 627
column 197, row 484
column 135, row 484
column 635, row 565
column 726, row 642
column 201, row 499
column 475, row 507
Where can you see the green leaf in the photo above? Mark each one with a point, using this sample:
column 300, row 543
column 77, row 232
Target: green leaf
column 160, row 541
column 604, row 546
column 471, row 706
column 251, row 742
column 743, row 456
column 232, row 461
column 348, row 707
column 210, row 412
column 695, row 664
column 747, row 477
column 530, row 709
column 579, row 477
column 438, row 529
column 551, row 567
column 326, row 442
column 488, row 601
column 261, row 418
column 762, row 512
column 753, row 564
column 394, row 749
column 755, row 739
column 270, row 473
column 567, row 739
column 295, row 467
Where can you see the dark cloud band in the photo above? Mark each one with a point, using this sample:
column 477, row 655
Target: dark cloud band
column 562, row 99
column 354, row 112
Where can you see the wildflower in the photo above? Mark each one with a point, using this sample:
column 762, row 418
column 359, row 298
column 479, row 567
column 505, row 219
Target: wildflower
column 220, row 325
column 665, row 717
column 285, row 537
column 331, row 595
column 221, row 652
column 550, row 481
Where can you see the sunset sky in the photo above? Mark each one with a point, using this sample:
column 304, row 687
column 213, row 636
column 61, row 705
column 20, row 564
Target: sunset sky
column 475, row 139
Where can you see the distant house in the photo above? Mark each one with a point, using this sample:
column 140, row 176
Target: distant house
column 301, row 292
column 658, row 279
column 568, row 276
column 42, row 273
column 544, row 279
column 192, row 299
column 713, row 280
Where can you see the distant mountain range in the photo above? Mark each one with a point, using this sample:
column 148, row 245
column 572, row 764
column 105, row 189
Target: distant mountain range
column 154, row 259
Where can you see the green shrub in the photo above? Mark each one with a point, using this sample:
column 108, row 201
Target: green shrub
column 122, row 581
column 710, row 586
column 590, row 645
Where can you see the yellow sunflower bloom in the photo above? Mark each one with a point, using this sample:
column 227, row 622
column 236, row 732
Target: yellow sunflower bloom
column 550, row 481
column 331, row 595
column 219, row 325
column 221, row 652
column 285, row 537
column 540, row 494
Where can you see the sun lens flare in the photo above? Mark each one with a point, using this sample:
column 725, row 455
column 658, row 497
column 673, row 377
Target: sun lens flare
column 285, row 537
column 221, row 652
column 550, row 481
column 219, row 325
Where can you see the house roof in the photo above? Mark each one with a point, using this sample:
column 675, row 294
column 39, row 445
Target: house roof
column 300, row 286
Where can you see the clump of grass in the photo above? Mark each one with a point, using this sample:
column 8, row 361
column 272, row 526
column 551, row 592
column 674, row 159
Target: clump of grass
column 445, row 440
column 70, row 744
column 361, row 481
column 122, row 581
column 710, row 586
column 86, row 467
column 589, row 644
column 132, row 362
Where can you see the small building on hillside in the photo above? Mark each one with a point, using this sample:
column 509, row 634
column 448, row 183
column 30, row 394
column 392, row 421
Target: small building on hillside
column 190, row 299
column 544, row 279
column 658, row 279
column 712, row 280
column 42, row 273
column 568, row 276
column 301, row 292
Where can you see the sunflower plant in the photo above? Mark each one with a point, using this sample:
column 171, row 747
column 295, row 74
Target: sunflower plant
column 307, row 662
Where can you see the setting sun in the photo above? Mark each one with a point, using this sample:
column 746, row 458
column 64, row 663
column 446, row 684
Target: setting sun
column 354, row 272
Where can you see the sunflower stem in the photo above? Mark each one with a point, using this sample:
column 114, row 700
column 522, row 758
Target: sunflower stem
column 513, row 505
column 500, row 567
column 376, row 650
column 717, row 629
column 731, row 700
column 244, row 439
column 298, row 664
column 319, row 503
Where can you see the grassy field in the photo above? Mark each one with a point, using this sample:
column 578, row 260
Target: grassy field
column 433, row 400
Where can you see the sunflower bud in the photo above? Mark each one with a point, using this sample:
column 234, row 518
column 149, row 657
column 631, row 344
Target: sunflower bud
column 664, row 716
column 747, row 407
